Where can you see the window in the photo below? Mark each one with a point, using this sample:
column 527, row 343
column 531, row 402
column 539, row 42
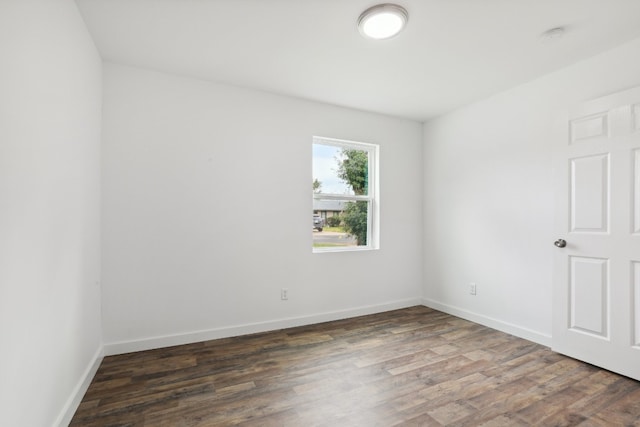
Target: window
column 345, row 195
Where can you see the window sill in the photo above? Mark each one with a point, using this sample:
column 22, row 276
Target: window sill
column 344, row 249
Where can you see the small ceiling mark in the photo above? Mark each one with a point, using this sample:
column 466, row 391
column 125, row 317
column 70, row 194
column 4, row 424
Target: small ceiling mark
column 552, row 35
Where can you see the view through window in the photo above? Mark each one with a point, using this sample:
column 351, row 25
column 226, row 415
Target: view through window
column 344, row 195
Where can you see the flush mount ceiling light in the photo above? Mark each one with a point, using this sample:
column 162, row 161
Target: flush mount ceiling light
column 382, row 21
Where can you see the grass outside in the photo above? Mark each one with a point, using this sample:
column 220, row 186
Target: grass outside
column 334, row 229
column 343, row 241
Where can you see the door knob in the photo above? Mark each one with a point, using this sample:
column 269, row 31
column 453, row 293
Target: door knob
column 561, row 243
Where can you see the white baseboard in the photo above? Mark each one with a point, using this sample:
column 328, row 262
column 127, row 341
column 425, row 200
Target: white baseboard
column 251, row 328
column 500, row 325
column 70, row 407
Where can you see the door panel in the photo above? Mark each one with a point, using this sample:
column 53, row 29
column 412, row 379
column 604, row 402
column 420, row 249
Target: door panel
column 636, row 192
column 585, row 128
column 636, row 303
column 589, row 296
column 596, row 299
column 590, row 194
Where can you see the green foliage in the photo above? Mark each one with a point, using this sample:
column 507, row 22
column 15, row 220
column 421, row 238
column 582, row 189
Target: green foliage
column 317, row 185
column 333, row 221
column 355, row 221
column 353, row 169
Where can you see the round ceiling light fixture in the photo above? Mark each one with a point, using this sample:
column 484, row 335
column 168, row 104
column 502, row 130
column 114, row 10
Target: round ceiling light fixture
column 382, row 21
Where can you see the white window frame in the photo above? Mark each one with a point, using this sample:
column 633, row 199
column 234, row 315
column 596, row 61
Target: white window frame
column 373, row 196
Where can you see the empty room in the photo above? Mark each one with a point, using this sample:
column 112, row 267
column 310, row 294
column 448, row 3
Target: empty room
column 319, row 213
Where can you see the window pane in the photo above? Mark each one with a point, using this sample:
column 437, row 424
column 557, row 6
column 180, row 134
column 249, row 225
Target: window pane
column 339, row 223
column 338, row 170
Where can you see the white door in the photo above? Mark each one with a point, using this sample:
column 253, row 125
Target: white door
column 596, row 299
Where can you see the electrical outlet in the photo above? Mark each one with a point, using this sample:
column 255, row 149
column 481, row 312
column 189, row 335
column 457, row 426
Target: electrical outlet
column 472, row 288
column 284, row 294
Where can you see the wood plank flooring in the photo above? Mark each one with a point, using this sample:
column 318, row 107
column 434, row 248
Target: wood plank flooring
column 413, row 367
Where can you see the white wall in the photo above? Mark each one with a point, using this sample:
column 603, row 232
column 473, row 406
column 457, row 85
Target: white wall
column 50, row 96
column 207, row 209
column 489, row 207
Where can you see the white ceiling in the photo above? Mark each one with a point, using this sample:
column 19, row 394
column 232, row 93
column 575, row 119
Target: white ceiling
column 452, row 52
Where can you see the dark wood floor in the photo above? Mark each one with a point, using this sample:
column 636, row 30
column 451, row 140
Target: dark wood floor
column 415, row 367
